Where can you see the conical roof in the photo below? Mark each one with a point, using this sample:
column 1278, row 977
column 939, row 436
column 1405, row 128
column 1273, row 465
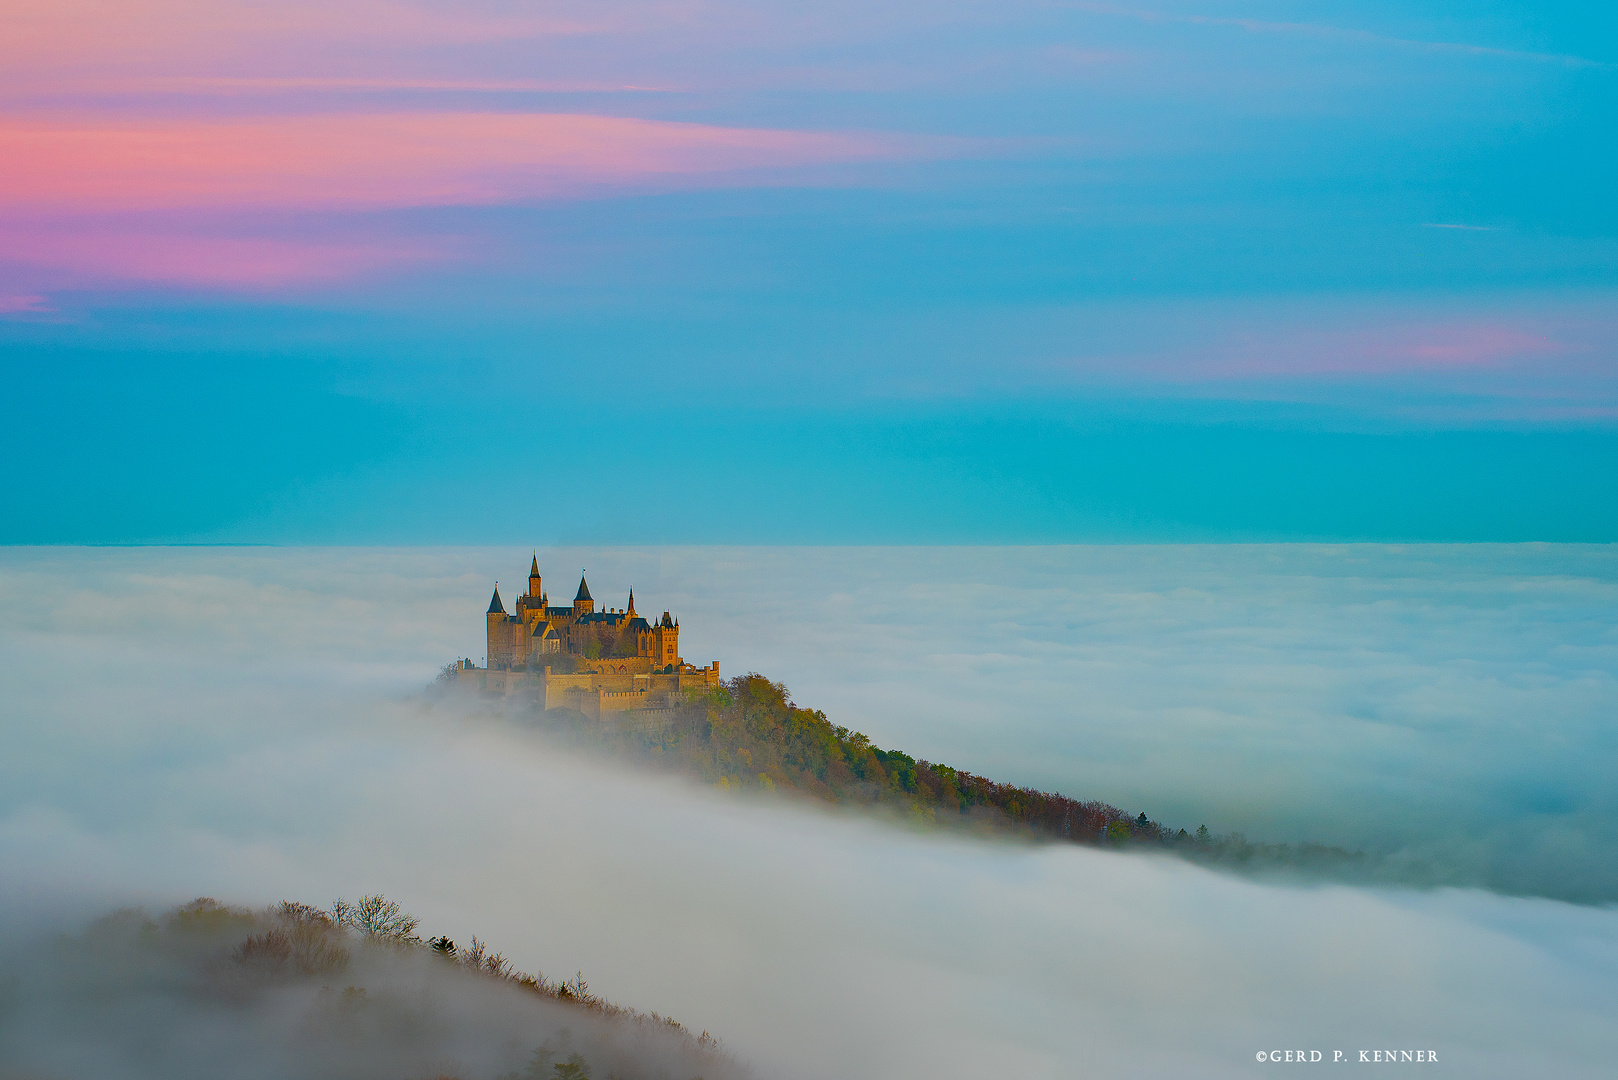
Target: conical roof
column 494, row 602
column 584, row 591
column 533, row 570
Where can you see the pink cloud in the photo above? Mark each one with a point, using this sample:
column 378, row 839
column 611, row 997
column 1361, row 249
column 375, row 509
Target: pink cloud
column 1257, row 343
column 48, row 39
column 1385, row 350
column 76, row 195
column 88, row 253
column 217, row 84
column 367, row 161
column 23, row 303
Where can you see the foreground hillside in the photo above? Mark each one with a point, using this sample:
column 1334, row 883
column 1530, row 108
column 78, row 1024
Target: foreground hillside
column 350, row 993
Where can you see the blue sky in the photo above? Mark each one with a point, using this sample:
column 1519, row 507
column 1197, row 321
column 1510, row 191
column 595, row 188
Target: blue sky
column 759, row 273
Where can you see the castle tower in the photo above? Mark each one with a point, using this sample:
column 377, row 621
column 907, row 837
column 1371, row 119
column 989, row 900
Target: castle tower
column 583, row 604
column 534, row 582
column 630, row 611
column 666, row 642
column 495, row 647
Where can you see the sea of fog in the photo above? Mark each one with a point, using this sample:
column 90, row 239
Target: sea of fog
column 243, row 723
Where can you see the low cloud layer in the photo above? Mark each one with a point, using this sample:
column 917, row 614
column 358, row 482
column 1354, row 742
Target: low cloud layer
column 236, row 724
column 1450, row 703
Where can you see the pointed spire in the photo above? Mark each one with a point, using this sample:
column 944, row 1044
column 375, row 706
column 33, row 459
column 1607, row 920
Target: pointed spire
column 630, row 610
column 494, row 602
column 533, row 569
column 584, row 590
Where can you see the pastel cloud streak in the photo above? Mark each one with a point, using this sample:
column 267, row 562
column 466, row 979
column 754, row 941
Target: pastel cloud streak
column 247, row 146
column 73, row 252
column 1245, row 342
column 80, row 189
column 47, row 42
column 83, row 171
column 22, row 304
column 1382, row 350
column 379, row 160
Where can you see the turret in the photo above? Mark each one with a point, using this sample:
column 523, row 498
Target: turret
column 583, row 604
column 534, row 582
column 629, row 612
column 495, row 648
column 666, row 641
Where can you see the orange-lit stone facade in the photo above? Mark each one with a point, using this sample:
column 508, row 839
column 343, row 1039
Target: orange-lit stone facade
column 616, row 660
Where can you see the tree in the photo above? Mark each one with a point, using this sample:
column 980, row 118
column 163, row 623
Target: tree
column 574, row 1068
column 626, row 645
column 376, row 917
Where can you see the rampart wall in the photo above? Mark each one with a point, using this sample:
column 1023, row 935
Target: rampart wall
column 596, row 694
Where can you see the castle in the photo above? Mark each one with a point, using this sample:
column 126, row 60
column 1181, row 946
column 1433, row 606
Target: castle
column 597, row 662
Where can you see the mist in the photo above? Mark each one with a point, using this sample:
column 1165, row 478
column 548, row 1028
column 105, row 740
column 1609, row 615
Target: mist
column 1447, row 706
column 209, row 990
column 247, row 724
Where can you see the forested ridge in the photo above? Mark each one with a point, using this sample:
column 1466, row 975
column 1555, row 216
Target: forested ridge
column 749, row 734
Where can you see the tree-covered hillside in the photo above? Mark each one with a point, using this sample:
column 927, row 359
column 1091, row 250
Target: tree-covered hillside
column 749, row 734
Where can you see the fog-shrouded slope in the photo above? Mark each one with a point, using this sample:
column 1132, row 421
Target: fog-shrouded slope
column 209, row 990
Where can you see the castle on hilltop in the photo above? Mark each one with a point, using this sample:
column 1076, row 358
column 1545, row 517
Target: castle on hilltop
column 598, row 662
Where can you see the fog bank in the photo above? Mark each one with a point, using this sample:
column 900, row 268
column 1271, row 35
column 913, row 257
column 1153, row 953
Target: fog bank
column 1446, row 704
column 236, row 724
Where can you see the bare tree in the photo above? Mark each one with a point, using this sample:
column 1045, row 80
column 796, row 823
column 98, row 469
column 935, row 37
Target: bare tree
column 376, row 917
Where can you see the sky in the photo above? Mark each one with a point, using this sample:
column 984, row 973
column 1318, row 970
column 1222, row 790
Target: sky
column 247, row 724
column 375, row 271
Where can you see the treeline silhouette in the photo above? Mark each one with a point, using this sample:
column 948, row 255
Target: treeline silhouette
column 749, row 733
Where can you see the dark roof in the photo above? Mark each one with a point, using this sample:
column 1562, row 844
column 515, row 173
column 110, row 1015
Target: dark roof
column 638, row 623
column 541, row 628
column 495, row 604
column 666, row 621
column 584, row 591
column 533, row 569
